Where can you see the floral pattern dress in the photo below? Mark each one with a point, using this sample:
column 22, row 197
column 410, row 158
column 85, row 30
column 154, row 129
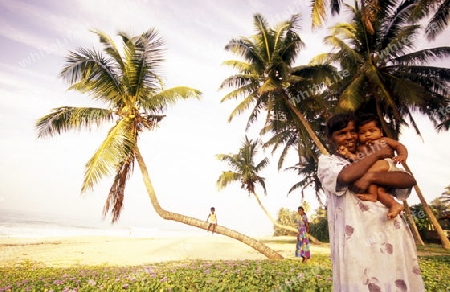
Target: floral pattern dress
column 302, row 249
column 368, row 251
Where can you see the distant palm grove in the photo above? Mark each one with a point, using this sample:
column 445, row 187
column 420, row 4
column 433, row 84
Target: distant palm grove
column 373, row 67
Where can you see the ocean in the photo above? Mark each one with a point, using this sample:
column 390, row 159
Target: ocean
column 29, row 224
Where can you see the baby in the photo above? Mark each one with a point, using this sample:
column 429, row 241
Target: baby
column 370, row 134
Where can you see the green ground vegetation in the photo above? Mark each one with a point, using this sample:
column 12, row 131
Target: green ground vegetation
column 235, row 275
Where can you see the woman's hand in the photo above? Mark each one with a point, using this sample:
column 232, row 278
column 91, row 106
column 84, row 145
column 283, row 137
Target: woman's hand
column 362, row 184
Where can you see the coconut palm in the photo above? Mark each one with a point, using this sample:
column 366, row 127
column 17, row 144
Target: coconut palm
column 288, row 218
column 267, row 79
column 445, row 197
column 386, row 76
column 288, row 137
column 132, row 90
column 246, row 171
column 307, row 170
column 412, row 224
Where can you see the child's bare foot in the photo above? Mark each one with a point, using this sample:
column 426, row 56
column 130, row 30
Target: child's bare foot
column 367, row 197
column 395, row 209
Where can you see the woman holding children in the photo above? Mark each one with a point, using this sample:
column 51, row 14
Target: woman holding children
column 369, row 251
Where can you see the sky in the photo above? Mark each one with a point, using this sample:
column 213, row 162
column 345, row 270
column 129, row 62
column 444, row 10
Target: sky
column 45, row 175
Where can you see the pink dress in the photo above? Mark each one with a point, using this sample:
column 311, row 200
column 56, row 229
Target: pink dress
column 368, row 252
column 302, row 248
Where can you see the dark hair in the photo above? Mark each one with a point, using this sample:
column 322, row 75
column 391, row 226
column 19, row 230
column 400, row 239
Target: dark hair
column 301, row 208
column 213, row 209
column 338, row 122
column 363, row 119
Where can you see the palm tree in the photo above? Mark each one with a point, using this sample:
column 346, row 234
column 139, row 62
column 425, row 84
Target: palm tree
column 286, row 217
column 285, row 135
column 269, row 82
column 385, row 77
column 267, row 79
column 412, row 224
column 136, row 99
column 307, row 170
column 445, row 197
column 245, row 171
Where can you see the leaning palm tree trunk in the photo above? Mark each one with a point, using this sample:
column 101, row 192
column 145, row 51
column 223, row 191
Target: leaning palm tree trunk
column 285, row 227
column 255, row 244
column 307, row 126
column 415, row 232
column 444, row 240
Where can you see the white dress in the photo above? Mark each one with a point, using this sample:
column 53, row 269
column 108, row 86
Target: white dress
column 368, row 251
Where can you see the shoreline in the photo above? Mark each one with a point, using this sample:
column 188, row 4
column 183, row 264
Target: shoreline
column 129, row 251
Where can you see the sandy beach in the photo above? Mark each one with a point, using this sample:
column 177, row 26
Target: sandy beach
column 122, row 251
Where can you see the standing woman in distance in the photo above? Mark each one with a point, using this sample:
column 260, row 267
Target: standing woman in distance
column 302, row 249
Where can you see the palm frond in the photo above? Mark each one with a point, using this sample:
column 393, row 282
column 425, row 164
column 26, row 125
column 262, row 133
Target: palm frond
column 353, row 95
column 226, row 178
column 241, row 81
column 241, row 107
column 321, row 59
column 117, row 190
column 71, row 118
column 109, row 46
column 89, row 72
column 144, row 64
column 114, row 150
column 318, row 13
column 423, row 56
column 443, row 126
column 245, row 48
column 345, row 52
column 159, row 101
column 343, row 30
column 241, row 66
column 400, row 44
column 439, row 21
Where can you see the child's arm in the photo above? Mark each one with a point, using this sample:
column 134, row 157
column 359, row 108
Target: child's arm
column 401, row 153
column 208, row 217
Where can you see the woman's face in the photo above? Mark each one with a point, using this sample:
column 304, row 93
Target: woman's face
column 346, row 137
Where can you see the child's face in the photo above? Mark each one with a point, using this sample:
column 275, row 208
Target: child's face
column 369, row 132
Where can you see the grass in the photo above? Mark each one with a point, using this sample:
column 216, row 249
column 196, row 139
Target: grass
column 245, row 275
column 432, row 249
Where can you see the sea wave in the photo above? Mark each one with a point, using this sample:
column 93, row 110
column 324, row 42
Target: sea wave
column 16, row 224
